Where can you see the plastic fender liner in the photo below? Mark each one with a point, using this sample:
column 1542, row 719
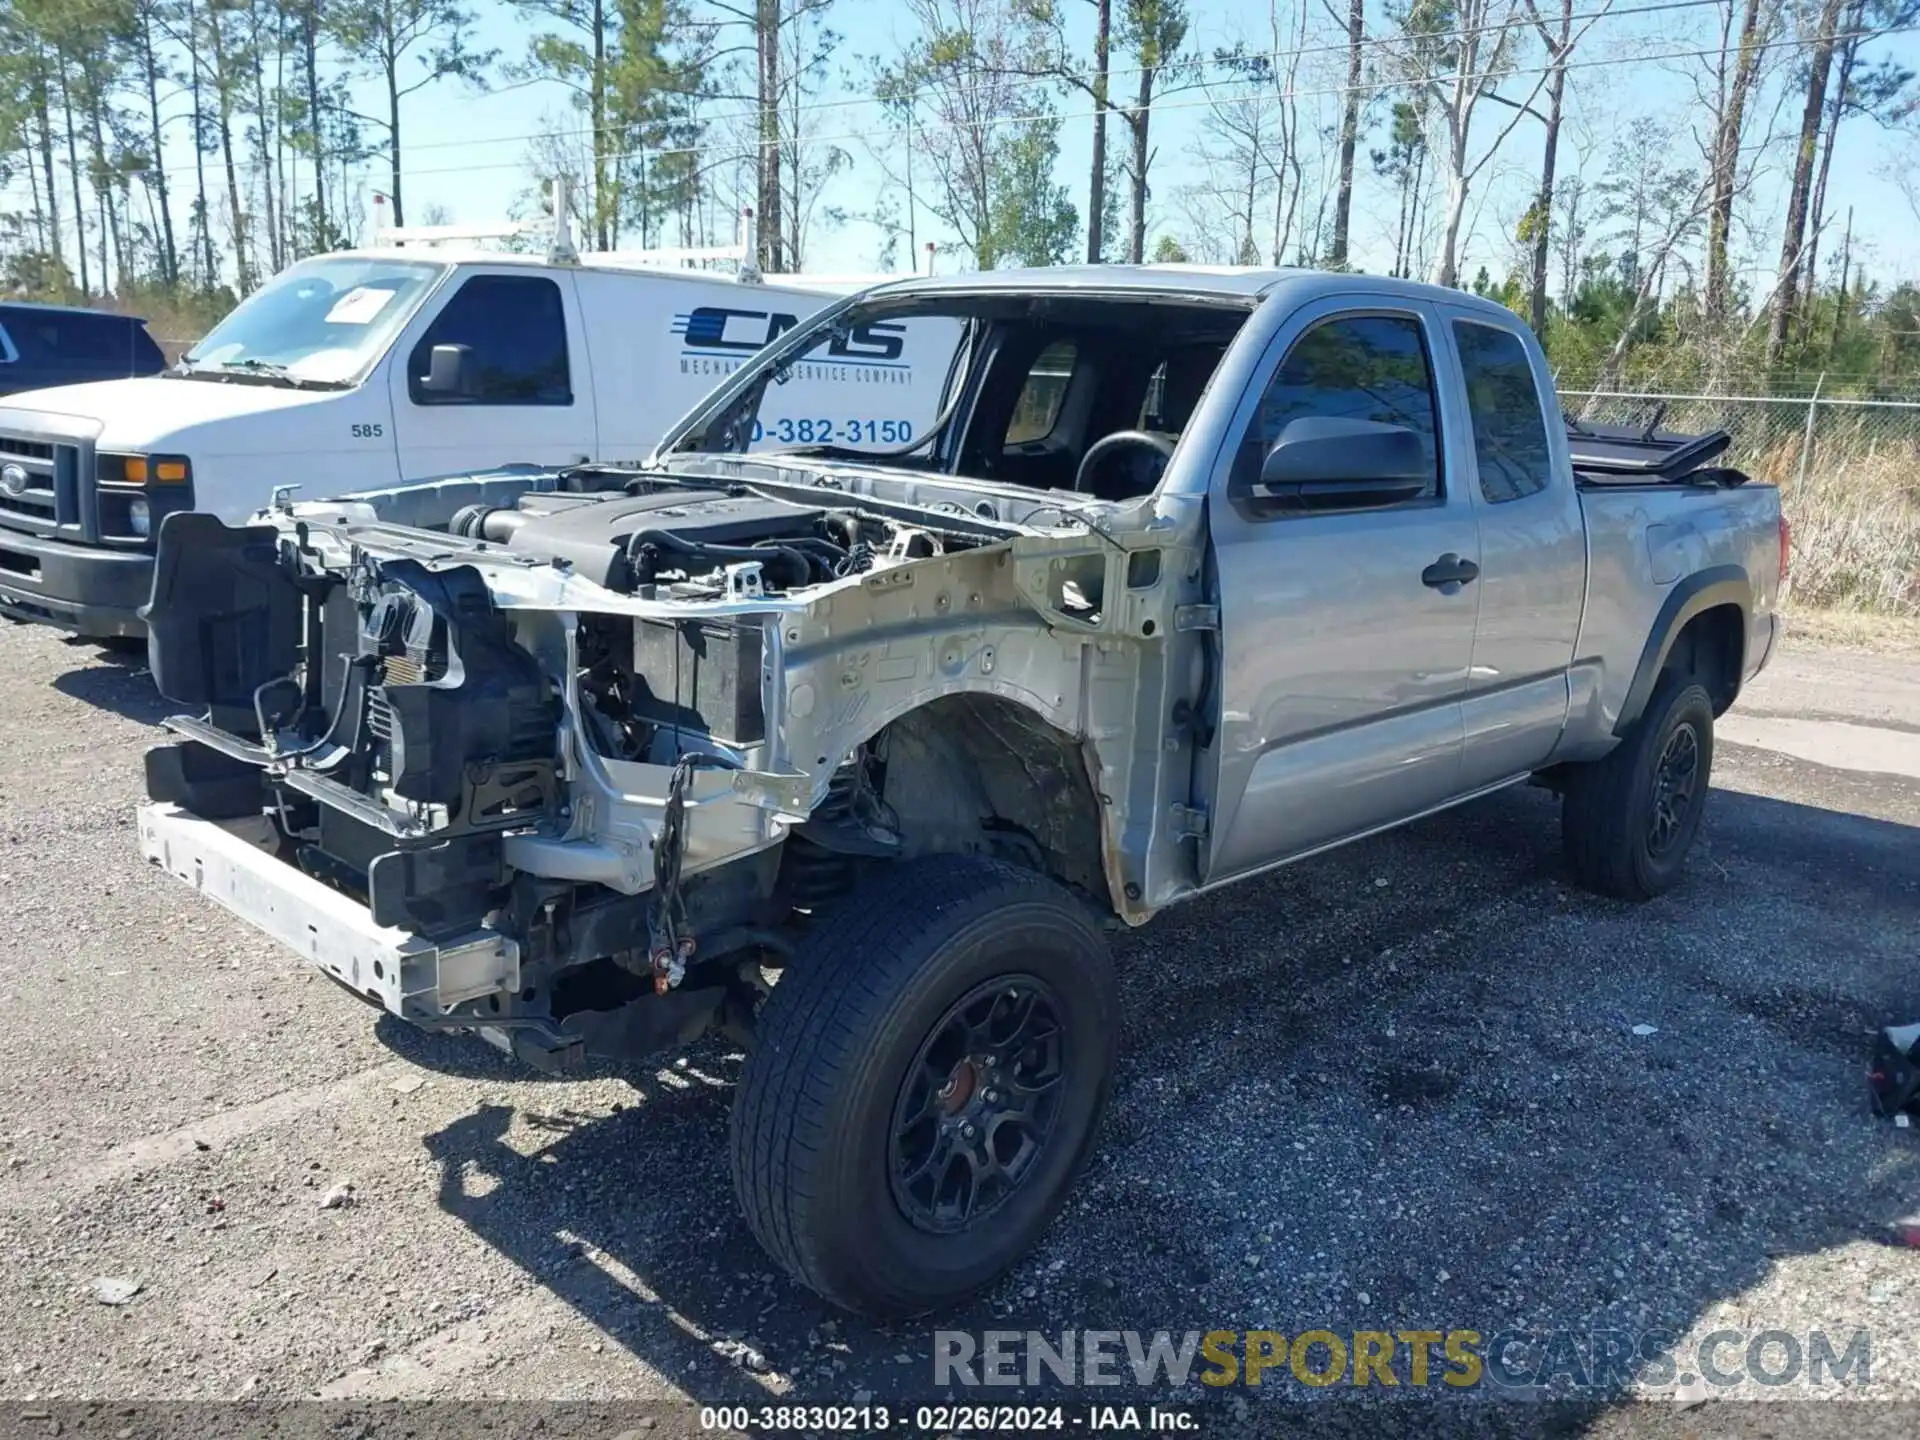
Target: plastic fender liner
column 223, row 618
column 201, row 779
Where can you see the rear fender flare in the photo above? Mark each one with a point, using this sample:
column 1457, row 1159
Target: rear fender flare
column 1699, row 592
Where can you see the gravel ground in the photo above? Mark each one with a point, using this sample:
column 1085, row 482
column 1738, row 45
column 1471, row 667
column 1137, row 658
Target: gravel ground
column 1417, row 1084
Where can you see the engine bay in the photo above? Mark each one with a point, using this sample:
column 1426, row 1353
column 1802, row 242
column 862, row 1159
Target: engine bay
column 668, row 538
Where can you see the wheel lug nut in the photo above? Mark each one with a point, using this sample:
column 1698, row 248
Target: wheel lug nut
column 968, row 1132
column 992, row 1095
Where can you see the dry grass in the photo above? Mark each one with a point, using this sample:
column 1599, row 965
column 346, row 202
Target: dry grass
column 1856, row 532
column 1812, row 629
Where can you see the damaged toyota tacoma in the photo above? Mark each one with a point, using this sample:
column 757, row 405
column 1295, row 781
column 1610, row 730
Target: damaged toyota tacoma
column 852, row 751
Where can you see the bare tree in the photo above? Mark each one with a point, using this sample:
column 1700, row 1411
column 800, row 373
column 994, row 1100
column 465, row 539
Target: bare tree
column 1054, row 60
column 1879, row 90
column 1573, row 225
column 1681, row 220
column 1237, row 154
column 1154, row 30
column 1403, row 162
column 1735, row 76
column 395, row 37
column 1794, row 241
column 1559, row 40
column 1097, row 170
column 1355, row 25
column 1457, row 55
column 962, row 105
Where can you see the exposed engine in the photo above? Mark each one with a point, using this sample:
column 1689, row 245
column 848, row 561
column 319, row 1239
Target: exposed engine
column 680, row 541
column 650, row 688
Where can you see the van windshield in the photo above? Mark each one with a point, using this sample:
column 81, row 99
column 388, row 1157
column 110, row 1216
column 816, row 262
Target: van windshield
column 321, row 322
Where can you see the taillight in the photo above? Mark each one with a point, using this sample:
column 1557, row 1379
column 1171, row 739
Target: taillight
column 1786, row 546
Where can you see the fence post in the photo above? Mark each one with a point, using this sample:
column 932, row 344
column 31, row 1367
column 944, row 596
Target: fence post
column 1806, row 438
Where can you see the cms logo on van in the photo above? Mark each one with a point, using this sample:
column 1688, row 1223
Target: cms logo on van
column 740, row 332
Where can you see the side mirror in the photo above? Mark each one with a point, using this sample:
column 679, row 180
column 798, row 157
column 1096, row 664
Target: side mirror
column 1325, row 463
column 448, row 368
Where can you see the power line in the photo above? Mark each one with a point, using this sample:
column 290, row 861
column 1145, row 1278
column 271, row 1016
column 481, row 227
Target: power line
column 1038, row 81
column 1289, row 93
column 1160, row 106
column 1031, row 82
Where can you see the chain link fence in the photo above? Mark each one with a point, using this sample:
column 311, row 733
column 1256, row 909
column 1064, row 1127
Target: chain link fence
column 1849, row 472
column 1777, row 438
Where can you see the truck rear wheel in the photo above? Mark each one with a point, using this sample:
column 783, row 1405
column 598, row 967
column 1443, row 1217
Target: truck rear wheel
column 1629, row 818
column 926, row 1079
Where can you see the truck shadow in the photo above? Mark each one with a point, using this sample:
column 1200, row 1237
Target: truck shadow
column 1400, row 1087
column 115, row 678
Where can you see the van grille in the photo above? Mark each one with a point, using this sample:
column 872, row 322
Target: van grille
column 39, row 485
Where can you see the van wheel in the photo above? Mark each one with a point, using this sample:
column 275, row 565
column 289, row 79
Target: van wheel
column 926, row 1079
column 1629, row 818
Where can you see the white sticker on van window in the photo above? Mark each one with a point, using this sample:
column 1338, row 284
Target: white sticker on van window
column 359, row 305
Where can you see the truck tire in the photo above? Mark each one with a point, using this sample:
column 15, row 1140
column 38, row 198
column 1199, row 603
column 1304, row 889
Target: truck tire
column 1628, row 819
column 926, row 1079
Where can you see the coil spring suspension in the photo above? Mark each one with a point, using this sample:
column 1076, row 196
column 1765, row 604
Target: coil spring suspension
column 811, row 874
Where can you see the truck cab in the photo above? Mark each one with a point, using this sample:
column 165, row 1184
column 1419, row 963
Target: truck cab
column 379, row 367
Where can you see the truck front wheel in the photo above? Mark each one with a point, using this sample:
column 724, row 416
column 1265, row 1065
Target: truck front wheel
column 926, row 1079
column 1629, row 818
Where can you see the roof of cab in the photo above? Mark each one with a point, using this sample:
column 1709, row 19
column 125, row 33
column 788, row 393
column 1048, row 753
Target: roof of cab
column 1246, row 283
column 1215, row 282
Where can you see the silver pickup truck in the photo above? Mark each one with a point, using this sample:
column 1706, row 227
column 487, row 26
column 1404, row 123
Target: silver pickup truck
column 850, row 749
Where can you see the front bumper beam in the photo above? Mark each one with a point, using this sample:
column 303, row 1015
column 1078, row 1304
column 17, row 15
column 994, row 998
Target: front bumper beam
column 415, row 978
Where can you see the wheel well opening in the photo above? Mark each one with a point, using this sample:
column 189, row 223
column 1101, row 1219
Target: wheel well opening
column 1710, row 648
column 976, row 774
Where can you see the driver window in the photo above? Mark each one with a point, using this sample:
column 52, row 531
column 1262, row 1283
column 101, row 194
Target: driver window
column 1038, row 408
column 1358, row 367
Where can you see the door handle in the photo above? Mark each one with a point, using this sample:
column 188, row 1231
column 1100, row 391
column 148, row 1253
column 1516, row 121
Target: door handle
column 1449, row 570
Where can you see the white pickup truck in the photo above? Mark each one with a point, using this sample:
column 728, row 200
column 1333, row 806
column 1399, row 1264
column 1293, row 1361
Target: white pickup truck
column 376, row 367
column 852, row 755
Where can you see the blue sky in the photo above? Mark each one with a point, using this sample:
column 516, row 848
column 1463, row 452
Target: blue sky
column 467, row 153
column 1622, row 76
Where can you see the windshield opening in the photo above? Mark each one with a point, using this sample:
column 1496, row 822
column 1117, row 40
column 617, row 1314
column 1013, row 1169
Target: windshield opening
column 323, row 321
column 1085, row 393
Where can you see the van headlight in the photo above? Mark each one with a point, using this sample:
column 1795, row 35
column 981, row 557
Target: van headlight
column 144, row 470
column 140, row 518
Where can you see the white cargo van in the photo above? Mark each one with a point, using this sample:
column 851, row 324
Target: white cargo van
column 370, row 368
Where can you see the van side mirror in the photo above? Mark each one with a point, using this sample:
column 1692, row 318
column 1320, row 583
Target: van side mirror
column 449, row 368
column 1321, row 462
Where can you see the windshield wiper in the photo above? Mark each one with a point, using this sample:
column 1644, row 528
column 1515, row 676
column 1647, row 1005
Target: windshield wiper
column 268, row 372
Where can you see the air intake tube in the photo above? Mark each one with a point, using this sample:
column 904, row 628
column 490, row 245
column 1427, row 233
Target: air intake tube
column 487, row 522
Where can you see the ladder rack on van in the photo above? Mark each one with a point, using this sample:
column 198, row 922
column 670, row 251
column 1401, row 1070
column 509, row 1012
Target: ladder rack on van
column 561, row 249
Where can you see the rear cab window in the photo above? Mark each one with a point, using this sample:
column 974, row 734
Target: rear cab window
column 1510, row 449
column 1352, row 367
column 515, row 331
column 1037, row 410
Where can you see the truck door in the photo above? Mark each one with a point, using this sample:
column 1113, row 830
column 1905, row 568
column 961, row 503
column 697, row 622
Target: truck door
column 1533, row 550
column 1345, row 632
column 520, row 390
